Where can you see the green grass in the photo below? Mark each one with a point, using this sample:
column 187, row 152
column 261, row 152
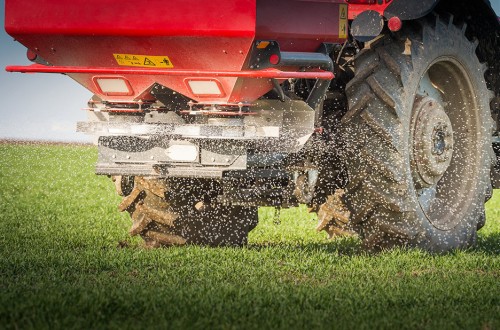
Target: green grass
column 61, row 267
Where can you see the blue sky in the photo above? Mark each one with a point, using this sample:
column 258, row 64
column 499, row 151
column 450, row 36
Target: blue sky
column 43, row 106
column 37, row 106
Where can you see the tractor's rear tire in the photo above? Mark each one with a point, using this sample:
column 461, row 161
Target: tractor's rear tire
column 164, row 216
column 418, row 139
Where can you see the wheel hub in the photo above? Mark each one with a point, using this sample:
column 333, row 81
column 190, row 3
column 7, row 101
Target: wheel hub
column 432, row 141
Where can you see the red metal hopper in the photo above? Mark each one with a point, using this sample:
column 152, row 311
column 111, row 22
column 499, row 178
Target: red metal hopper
column 214, row 51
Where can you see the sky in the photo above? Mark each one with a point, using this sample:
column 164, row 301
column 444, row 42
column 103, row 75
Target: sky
column 37, row 106
column 43, row 106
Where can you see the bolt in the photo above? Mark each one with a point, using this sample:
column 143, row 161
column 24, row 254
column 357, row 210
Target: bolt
column 213, row 160
column 114, row 156
column 152, row 157
column 128, row 156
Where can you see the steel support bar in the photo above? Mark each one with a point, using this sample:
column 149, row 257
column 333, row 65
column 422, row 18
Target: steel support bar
column 267, row 73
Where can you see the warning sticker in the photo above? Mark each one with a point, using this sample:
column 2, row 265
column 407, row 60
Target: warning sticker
column 146, row 61
column 343, row 21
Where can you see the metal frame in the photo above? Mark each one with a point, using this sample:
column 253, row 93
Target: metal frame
column 267, row 73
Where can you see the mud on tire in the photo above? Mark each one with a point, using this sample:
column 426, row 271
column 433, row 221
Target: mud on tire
column 166, row 215
column 418, row 136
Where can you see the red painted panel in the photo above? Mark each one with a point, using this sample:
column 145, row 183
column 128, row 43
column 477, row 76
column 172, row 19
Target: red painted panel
column 356, row 9
column 298, row 25
column 131, row 18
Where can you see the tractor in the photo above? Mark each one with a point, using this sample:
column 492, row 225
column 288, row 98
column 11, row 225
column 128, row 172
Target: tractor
column 380, row 115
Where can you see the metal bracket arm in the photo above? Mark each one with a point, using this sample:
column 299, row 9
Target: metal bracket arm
column 267, row 73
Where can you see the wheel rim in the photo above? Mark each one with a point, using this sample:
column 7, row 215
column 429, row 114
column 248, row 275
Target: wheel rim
column 444, row 137
column 432, row 142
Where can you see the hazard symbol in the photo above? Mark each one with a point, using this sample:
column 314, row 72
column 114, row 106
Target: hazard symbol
column 343, row 12
column 343, row 21
column 148, row 62
column 143, row 60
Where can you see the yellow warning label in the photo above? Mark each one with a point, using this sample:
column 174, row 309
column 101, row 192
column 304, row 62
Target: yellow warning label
column 146, row 61
column 343, row 21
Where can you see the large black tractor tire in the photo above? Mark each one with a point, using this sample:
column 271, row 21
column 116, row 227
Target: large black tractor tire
column 417, row 139
column 165, row 214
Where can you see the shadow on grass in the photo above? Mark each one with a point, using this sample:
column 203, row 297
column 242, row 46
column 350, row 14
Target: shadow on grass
column 340, row 247
column 348, row 246
column 488, row 244
column 351, row 246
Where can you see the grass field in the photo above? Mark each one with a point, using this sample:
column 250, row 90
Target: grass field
column 61, row 266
